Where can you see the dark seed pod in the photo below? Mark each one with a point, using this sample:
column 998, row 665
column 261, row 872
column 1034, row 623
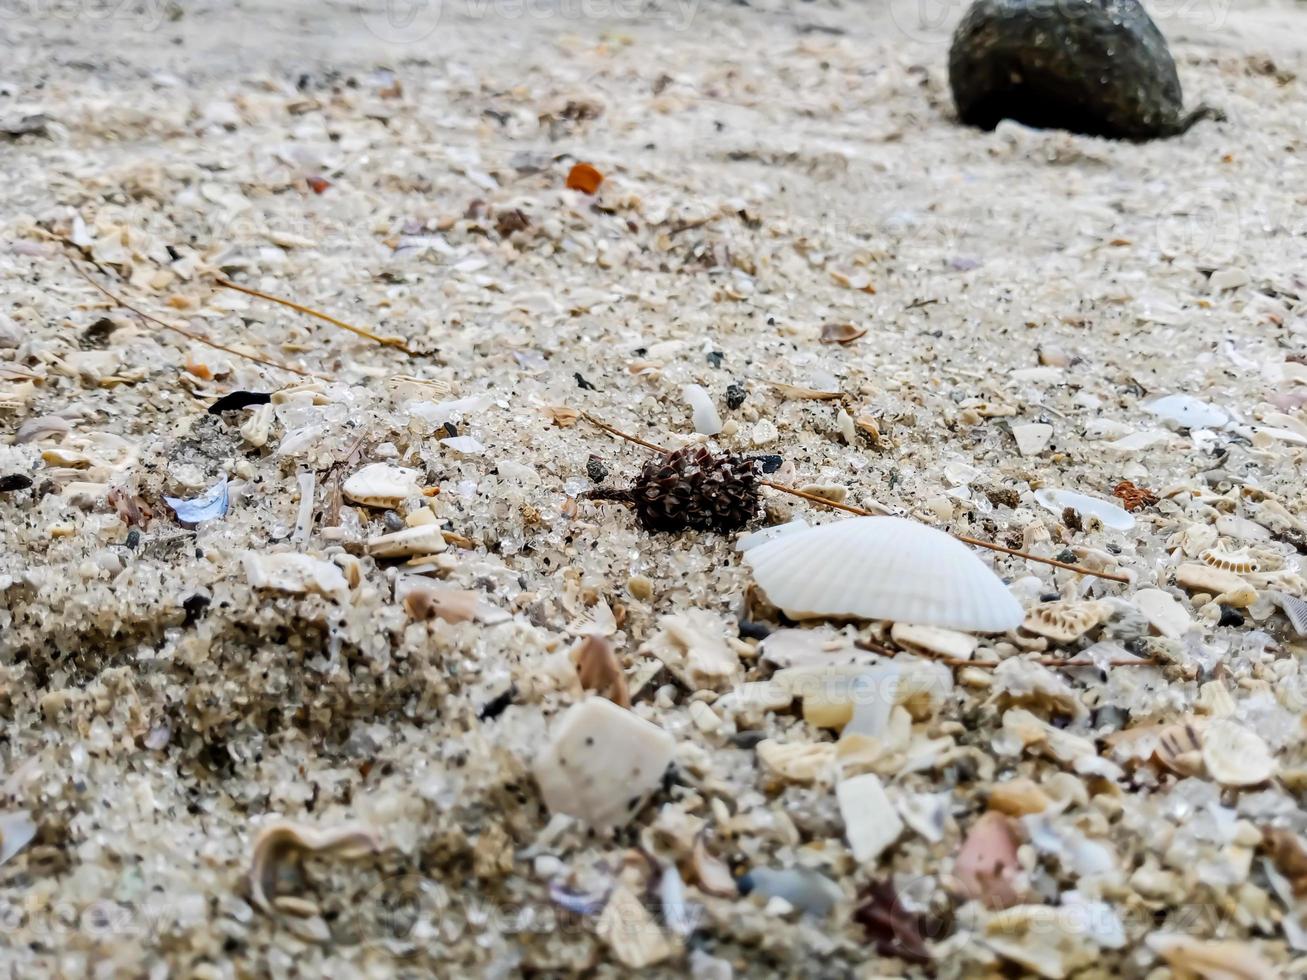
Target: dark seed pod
column 693, row 489
column 1097, row 67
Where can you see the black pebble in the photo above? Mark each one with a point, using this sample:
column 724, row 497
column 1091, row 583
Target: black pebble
column 715, row 358
column 770, row 464
column 595, row 469
column 234, row 401
column 1097, row 67
column 735, row 395
column 15, row 481
column 498, row 705
column 582, row 383
column 1230, row 617
column 133, row 539
column 194, row 606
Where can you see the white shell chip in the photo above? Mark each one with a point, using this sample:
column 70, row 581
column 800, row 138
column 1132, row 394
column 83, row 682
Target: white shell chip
column 603, row 763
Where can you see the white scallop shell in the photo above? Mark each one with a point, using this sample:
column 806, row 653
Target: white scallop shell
column 883, row 568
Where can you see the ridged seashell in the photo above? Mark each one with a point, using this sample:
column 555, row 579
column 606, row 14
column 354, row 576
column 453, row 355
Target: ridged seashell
column 1063, row 622
column 425, row 539
column 1239, row 562
column 602, row 763
column 932, row 639
column 1235, row 756
column 1180, row 749
column 798, row 762
column 1295, row 610
column 1228, row 587
column 382, row 485
column 883, row 568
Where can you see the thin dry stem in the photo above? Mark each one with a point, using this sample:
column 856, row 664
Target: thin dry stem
column 188, row 334
column 298, row 307
column 874, row 647
column 863, row 512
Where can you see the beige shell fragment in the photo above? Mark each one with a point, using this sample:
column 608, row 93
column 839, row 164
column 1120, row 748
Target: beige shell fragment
column 602, row 763
column 382, row 485
column 933, row 639
column 1200, row 577
column 1236, row 756
column 1041, row 938
column 1063, row 622
column 1196, row 959
column 425, row 539
column 871, row 823
column 1032, row 437
column 798, row 762
column 258, row 427
column 295, row 573
column 693, row 644
column 1018, row 797
column 636, row 940
column 1164, row 612
column 284, row 840
column 434, row 602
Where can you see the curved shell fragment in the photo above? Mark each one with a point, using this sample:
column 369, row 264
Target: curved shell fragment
column 1235, row 756
column 382, row 485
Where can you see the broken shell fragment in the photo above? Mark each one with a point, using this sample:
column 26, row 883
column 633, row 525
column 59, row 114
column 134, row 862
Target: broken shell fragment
column 635, row 939
column 602, row 763
column 706, row 420
column 1110, row 514
column 986, row 866
column 1063, row 622
column 282, row 841
column 17, row 830
column 883, row 568
column 295, row 573
column 871, row 823
column 932, row 639
column 382, row 485
column 1188, row 412
column 798, row 762
column 599, row 670
column 1195, row 959
column 694, row 647
column 1164, row 612
column 1032, row 437
column 1229, row 588
column 425, row 539
column 1235, row 756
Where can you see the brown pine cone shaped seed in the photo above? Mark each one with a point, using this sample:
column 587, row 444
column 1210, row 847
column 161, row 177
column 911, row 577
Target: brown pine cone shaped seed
column 692, row 488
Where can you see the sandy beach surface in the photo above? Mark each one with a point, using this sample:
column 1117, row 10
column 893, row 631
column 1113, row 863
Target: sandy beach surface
column 330, row 728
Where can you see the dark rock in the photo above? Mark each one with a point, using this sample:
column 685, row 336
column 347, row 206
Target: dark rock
column 1097, row 67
